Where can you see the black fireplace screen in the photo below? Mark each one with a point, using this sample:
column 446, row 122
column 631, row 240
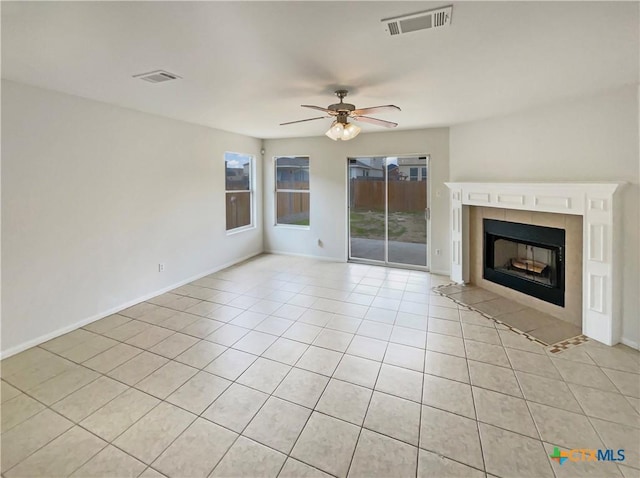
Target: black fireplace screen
column 526, row 258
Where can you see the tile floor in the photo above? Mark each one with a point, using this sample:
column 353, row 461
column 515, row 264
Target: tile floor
column 291, row 367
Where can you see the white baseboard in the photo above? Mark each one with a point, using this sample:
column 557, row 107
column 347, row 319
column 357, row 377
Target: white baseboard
column 52, row 335
column 440, row 273
column 309, row 256
column 630, row 343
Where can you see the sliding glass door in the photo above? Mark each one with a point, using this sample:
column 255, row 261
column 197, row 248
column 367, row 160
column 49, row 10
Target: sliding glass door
column 388, row 210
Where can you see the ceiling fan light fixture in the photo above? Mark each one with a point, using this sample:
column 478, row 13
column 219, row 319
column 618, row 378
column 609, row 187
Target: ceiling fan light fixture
column 335, row 131
column 350, row 131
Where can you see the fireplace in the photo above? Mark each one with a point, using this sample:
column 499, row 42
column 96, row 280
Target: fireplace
column 526, row 258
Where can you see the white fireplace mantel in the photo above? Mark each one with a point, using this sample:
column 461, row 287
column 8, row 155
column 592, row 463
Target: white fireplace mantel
column 595, row 202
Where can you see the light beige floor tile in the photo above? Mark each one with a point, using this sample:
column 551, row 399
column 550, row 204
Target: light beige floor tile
column 504, row 411
column 108, row 323
column 547, row 391
column 447, row 366
column 635, row 403
column 285, row 351
column 202, row 328
column 366, row 347
column 197, row 451
column 83, row 402
column 138, row 310
column 249, row 459
column 302, row 332
column 358, row 370
column 255, row 342
column 448, row 395
column 394, row 417
column 400, row 382
column 61, row 456
column 481, row 334
column 344, row 324
column 404, row 356
column 264, row 375
column 560, row 427
column 119, row 414
column 227, row 335
column 154, row 432
column 150, row 337
column 378, row 455
column 488, row 353
column 290, row 311
column 174, row 345
column 445, row 344
column 25, row 438
column 498, row 307
column 474, row 318
column 278, row 424
column 412, row 320
column 168, row 378
column 7, row 392
column 345, row 401
column 533, row 363
column 514, row 340
column 327, row 443
column 127, row 330
column 230, row 364
column 433, row 465
column 617, row 358
column 157, row 317
column 201, row 354
column 616, row 436
column 89, row 348
column 627, row 383
column 584, row 374
column 445, row 327
column 605, row 405
column 139, row 367
column 67, row 341
column 333, row 340
column 248, row 319
column 235, row 408
column 204, row 308
column 199, row 392
column 575, row 354
column 111, row 358
column 180, row 321
column 296, row 469
column 407, row 336
column 26, row 371
column 495, row 378
column 318, row 318
column 451, row 435
column 62, row 385
column 110, row 462
column 319, row 360
column 302, row 387
column 17, row 410
column 274, row 325
column 375, row 330
column 500, row 447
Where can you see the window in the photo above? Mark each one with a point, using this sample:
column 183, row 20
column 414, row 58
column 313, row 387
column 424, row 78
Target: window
column 424, row 174
column 238, row 190
column 413, row 174
column 292, row 191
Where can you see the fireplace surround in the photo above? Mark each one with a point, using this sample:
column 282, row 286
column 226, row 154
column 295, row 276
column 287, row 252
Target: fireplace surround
column 596, row 203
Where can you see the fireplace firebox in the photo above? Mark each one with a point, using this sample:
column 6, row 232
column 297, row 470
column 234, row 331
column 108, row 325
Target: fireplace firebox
column 526, row 258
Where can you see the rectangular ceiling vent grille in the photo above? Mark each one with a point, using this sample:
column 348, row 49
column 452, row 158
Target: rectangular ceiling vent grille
column 158, row 76
column 437, row 18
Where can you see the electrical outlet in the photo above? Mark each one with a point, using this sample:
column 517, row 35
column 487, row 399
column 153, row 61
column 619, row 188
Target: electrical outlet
column 161, row 267
column 437, row 252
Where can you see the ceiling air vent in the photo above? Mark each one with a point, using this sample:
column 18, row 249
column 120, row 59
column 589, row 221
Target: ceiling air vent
column 158, row 76
column 437, row 18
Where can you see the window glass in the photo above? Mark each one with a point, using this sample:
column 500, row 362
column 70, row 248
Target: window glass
column 239, row 190
column 292, row 190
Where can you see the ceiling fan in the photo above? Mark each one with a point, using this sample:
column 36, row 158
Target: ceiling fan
column 341, row 128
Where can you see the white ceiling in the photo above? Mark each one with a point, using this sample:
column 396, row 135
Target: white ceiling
column 247, row 66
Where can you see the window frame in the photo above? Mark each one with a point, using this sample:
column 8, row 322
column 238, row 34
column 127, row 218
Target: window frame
column 250, row 191
column 276, row 190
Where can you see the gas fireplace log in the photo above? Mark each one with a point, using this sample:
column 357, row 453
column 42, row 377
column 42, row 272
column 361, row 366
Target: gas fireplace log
column 529, row 265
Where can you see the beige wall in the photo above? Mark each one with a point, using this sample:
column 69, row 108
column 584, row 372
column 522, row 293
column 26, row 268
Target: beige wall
column 572, row 310
column 328, row 183
column 591, row 138
column 94, row 197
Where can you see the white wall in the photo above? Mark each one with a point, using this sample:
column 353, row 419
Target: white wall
column 328, row 183
column 94, row 196
column 593, row 138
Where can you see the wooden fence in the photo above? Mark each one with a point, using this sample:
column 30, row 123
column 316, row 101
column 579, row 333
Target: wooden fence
column 409, row 196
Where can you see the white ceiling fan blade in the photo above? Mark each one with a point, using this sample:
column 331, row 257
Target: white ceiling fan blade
column 376, row 121
column 375, row 109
